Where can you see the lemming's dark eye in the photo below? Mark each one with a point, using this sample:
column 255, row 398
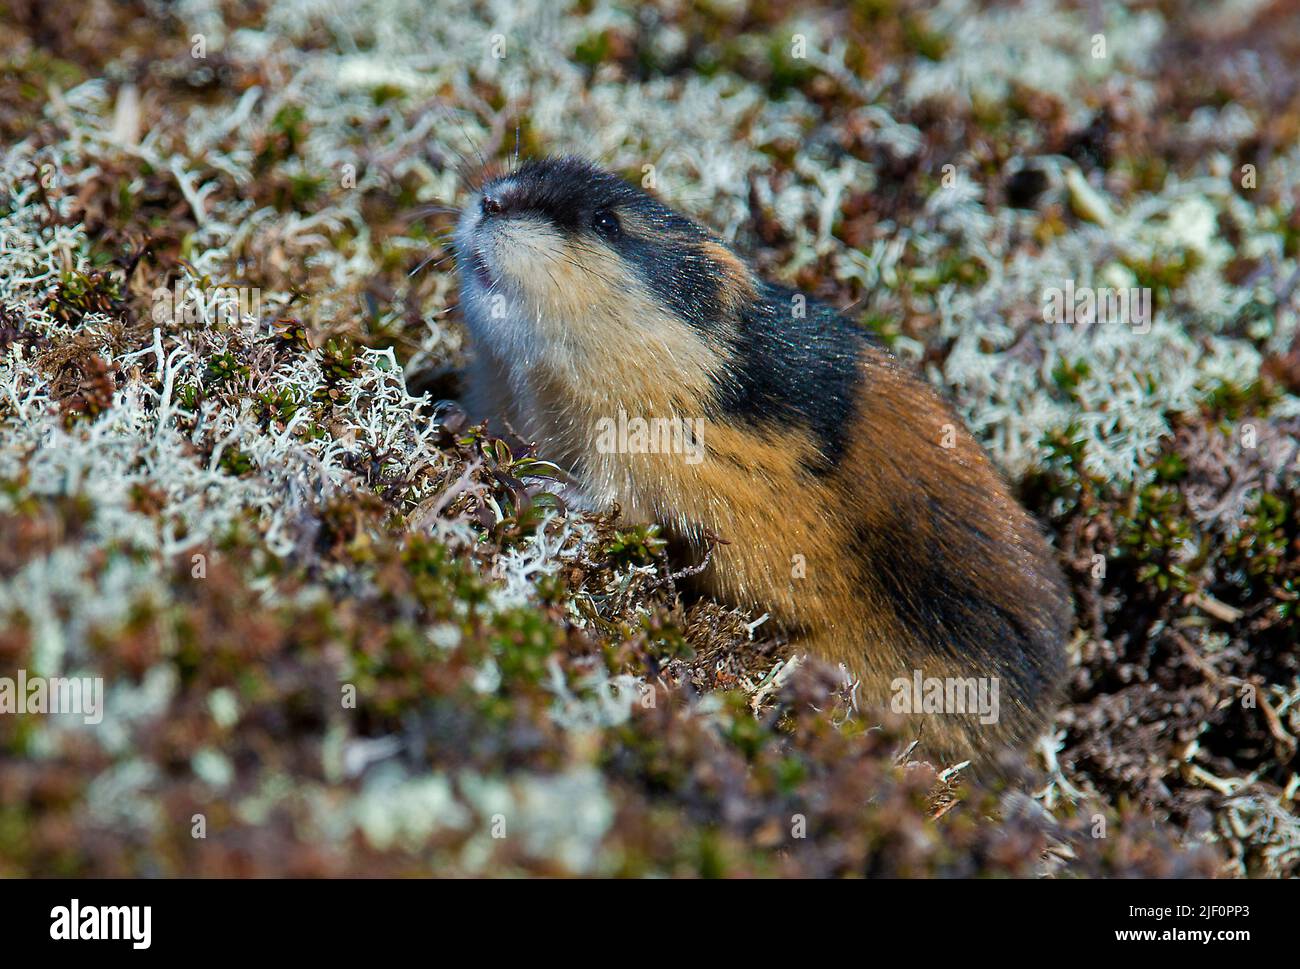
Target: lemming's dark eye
column 606, row 223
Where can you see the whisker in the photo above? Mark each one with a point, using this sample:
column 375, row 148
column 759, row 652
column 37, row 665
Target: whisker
column 429, row 260
column 460, row 162
column 482, row 163
column 583, row 247
column 591, row 272
column 431, row 210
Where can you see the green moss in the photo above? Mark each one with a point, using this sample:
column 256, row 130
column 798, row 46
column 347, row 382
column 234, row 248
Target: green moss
column 224, row 368
column 1170, row 467
column 288, row 130
column 79, row 293
column 639, row 545
column 1155, row 536
column 1068, row 374
column 1163, row 273
column 1148, row 172
column 276, row 407
column 339, row 363
column 873, row 12
column 952, row 267
column 292, row 335
column 382, row 94
column 667, row 636
column 1233, row 402
column 1062, row 475
column 439, row 581
column 188, row 396
column 743, row 730
column 787, row 72
column 1289, row 229
column 886, row 328
column 591, row 50
column 235, row 461
column 710, row 859
column 790, row 773
column 1262, row 547
column 919, row 38
column 303, row 189
column 522, row 641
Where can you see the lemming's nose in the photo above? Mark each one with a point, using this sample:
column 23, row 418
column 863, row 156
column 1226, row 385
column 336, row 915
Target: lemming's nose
column 490, row 204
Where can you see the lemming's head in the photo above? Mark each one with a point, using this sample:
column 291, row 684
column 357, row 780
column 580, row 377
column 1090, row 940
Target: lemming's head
column 560, row 251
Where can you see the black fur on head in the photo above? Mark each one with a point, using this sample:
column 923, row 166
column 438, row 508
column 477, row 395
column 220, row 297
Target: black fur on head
column 673, row 256
column 571, row 193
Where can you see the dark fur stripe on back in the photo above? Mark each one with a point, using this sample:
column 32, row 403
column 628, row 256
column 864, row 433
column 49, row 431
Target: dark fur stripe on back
column 792, row 368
